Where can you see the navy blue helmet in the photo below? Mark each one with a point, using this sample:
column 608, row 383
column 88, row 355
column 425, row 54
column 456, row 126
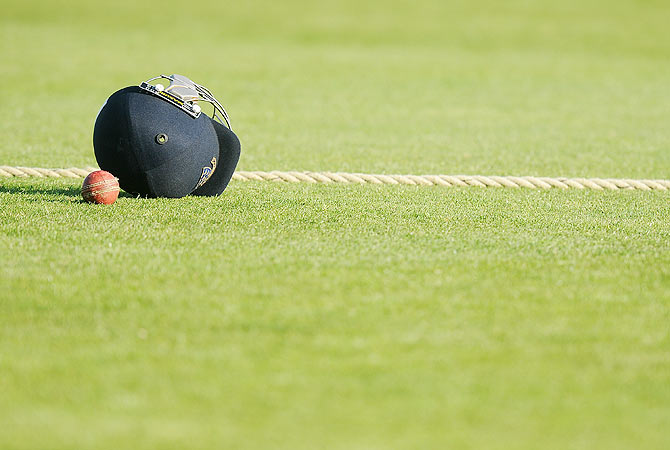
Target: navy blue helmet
column 157, row 141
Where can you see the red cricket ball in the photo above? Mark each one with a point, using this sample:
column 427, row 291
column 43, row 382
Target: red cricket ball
column 100, row 187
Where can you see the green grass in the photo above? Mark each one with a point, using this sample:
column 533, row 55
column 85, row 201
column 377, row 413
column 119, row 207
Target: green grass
column 298, row 316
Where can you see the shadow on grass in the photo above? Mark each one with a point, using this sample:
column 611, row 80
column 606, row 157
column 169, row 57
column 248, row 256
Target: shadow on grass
column 50, row 193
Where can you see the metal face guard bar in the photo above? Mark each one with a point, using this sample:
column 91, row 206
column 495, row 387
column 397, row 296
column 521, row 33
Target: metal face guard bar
column 184, row 94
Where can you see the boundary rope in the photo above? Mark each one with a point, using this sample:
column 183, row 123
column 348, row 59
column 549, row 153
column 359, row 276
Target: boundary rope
column 363, row 178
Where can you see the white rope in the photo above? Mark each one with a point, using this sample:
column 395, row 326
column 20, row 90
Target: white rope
column 72, row 172
column 456, row 180
column 364, row 178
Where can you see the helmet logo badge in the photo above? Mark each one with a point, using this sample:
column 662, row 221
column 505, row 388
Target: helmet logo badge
column 207, row 172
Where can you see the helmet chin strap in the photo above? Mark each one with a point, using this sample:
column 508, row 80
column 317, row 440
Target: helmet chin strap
column 185, row 93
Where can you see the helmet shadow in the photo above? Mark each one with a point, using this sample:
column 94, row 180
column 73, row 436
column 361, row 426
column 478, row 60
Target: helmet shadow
column 63, row 194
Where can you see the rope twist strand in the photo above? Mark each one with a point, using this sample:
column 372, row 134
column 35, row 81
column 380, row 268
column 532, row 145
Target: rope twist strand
column 529, row 182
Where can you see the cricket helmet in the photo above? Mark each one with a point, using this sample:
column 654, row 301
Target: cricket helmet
column 157, row 141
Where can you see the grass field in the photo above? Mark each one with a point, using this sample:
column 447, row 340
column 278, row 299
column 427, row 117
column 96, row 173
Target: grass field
column 343, row 317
